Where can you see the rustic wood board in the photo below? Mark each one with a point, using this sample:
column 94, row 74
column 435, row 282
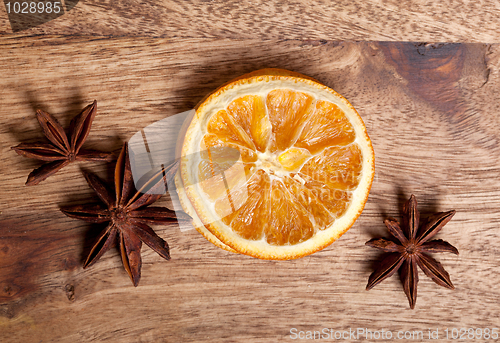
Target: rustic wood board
column 374, row 20
column 432, row 114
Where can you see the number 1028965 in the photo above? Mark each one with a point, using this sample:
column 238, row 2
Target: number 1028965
column 33, row 7
column 471, row 334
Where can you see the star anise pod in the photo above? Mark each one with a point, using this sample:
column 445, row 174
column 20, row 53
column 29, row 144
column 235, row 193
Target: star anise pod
column 128, row 215
column 63, row 149
column 410, row 246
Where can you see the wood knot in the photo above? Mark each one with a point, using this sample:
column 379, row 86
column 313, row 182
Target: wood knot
column 70, row 292
column 69, row 264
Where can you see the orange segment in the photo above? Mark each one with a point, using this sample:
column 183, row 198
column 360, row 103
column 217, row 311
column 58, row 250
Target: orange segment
column 247, row 209
column 216, row 178
column 311, row 200
column 215, row 149
column 336, row 167
column 286, row 114
column 293, row 158
column 275, row 165
column 334, row 200
column 250, row 113
column 289, row 223
column 326, row 126
column 224, row 127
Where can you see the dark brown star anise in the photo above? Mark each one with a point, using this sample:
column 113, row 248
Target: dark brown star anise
column 128, row 215
column 410, row 247
column 62, row 150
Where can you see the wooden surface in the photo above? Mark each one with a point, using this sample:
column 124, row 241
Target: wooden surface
column 374, row 20
column 431, row 111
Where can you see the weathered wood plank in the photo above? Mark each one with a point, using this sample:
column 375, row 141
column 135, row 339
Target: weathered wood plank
column 432, row 114
column 375, row 20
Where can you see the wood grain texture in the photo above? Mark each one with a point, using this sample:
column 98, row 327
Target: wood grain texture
column 374, row 20
column 431, row 112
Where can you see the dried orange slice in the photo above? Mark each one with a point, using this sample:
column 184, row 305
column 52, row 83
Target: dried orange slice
column 275, row 165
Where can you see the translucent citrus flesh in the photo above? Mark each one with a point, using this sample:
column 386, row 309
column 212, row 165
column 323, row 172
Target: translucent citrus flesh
column 279, row 167
column 293, row 158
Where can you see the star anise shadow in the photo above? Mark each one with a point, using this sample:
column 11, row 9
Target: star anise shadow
column 91, row 235
column 90, row 231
